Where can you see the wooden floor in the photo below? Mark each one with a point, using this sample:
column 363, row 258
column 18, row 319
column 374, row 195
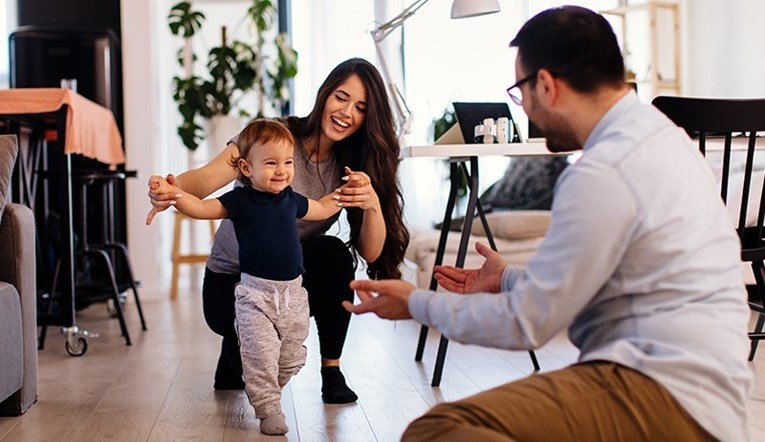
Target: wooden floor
column 160, row 388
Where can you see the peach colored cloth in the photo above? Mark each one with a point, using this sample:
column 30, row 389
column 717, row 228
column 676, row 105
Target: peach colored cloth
column 90, row 127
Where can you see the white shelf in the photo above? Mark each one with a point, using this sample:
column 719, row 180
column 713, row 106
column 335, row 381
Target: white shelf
column 653, row 82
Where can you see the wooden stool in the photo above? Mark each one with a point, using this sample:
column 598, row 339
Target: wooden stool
column 179, row 258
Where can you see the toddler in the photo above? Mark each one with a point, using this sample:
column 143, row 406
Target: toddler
column 271, row 304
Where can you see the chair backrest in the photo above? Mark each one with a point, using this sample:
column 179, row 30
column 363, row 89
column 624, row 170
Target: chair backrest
column 732, row 125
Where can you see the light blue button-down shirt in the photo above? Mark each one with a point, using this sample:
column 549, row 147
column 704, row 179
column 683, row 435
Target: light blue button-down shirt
column 641, row 262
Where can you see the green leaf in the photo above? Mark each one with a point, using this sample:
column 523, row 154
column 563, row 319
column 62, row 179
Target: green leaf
column 234, row 70
column 263, row 14
column 182, row 18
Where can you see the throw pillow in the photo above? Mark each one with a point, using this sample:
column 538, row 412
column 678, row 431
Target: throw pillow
column 515, row 224
column 527, row 183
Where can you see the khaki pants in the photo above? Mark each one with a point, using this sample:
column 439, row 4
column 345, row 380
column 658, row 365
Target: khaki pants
column 595, row 401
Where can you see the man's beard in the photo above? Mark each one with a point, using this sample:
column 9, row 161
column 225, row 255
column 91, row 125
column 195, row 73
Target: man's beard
column 558, row 133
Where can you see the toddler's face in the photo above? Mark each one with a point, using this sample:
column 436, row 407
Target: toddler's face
column 270, row 167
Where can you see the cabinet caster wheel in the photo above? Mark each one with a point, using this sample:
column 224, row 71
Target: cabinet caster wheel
column 78, row 347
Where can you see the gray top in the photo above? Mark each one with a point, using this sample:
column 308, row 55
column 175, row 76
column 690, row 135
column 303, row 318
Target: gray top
column 312, row 179
column 641, row 262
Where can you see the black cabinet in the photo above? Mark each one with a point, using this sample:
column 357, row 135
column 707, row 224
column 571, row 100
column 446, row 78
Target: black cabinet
column 43, row 55
column 73, row 39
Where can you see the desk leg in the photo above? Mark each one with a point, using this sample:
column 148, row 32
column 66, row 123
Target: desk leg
column 454, row 187
column 443, row 344
column 484, row 223
column 467, row 226
column 474, row 205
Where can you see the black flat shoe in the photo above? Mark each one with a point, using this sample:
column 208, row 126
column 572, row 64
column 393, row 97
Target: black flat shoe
column 228, row 385
column 333, row 387
column 227, row 376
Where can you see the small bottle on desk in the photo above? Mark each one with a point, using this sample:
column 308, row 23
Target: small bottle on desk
column 69, row 83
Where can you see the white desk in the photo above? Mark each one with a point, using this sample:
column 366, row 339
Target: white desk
column 532, row 147
column 459, row 155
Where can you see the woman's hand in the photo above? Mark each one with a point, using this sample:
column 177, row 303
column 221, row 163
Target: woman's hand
column 160, row 200
column 357, row 191
column 485, row 279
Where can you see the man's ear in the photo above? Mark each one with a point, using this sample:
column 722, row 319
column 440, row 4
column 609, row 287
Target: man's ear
column 244, row 167
column 548, row 90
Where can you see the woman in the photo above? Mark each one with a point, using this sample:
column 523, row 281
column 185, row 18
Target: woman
column 351, row 125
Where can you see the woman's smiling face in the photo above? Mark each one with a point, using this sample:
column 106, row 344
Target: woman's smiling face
column 345, row 109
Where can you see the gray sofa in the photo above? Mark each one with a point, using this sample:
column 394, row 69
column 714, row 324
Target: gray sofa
column 18, row 295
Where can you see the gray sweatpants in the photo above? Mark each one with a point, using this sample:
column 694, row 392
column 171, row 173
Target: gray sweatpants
column 272, row 323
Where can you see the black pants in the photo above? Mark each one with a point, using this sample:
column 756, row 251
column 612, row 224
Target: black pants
column 329, row 268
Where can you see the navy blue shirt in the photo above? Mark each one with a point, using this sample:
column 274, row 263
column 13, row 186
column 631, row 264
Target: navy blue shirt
column 266, row 228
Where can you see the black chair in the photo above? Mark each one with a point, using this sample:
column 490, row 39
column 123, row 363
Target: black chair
column 104, row 238
column 103, row 270
column 734, row 124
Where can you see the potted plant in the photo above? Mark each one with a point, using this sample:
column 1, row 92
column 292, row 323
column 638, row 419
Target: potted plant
column 237, row 72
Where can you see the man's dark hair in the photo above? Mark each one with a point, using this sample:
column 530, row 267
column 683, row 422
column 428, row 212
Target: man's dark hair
column 574, row 44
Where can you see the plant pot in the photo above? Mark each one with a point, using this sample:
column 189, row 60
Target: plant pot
column 220, row 129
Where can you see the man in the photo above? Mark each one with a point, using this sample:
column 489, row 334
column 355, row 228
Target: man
column 640, row 262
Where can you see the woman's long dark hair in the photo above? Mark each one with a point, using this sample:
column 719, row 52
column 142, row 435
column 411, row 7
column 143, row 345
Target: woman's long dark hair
column 372, row 149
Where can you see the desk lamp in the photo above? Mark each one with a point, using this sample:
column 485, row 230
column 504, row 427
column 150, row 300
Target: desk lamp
column 460, row 9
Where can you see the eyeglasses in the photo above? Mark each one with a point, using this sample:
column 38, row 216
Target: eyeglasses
column 517, row 98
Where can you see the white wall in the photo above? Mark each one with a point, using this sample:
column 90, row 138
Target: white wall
column 723, row 47
column 144, row 128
